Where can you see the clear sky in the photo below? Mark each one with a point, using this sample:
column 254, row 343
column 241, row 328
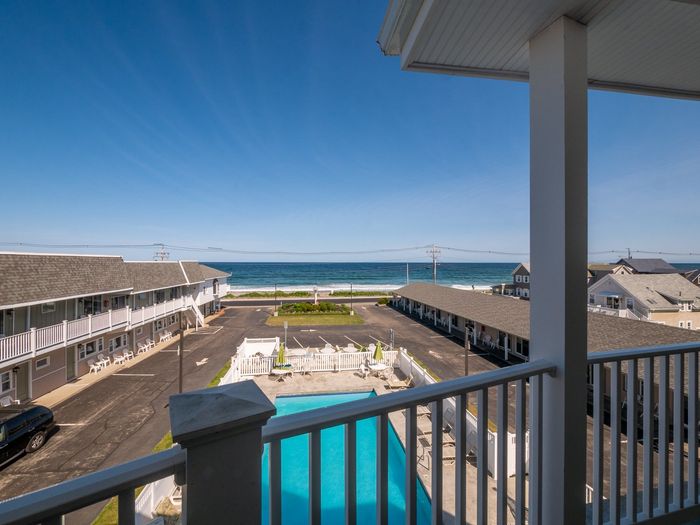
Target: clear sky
column 268, row 125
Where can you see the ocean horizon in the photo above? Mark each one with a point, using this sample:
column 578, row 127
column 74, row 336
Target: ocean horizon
column 366, row 275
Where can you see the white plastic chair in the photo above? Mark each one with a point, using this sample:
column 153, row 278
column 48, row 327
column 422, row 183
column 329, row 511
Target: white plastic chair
column 103, row 361
column 128, row 354
column 94, row 367
column 364, row 370
column 150, row 343
column 118, row 359
column 6, row 401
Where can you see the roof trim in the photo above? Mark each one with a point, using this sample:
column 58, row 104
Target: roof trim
column 47, row 254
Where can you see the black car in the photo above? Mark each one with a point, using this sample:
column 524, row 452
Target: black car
column 23, row 429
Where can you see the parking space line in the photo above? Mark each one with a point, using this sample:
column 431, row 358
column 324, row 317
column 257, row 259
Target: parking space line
column 297, row 341
column 378, row 340
column 322, row 339
column 72, row 424
column 134, row 375
column 353, row 341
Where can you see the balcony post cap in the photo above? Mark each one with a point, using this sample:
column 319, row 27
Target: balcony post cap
column 213, row 413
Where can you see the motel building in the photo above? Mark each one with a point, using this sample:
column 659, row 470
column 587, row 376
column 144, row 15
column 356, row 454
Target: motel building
column 59, row 312
column 560, row 49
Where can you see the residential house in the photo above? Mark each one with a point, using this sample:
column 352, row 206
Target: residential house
column 662, row 298
column 520, row 287
column 596, row 271
column 648, row 265
column 58, row 312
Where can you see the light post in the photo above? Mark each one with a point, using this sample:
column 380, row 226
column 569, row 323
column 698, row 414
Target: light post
column 180, row 351
column 275, row 297
column 286, row 324
column 391, row 338
column 351, row 297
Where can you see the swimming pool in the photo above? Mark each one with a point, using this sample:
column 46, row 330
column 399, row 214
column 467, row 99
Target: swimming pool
column 295, row 469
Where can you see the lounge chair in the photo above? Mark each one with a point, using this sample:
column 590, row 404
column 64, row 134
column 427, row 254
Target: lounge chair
column 426, row 450
column 94, row 367
column 393, row 383
column 6, row 401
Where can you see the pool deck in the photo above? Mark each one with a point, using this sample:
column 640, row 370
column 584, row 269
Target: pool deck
column 335, row 382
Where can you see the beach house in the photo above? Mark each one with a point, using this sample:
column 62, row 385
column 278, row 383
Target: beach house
column 59, row 312
column 665, row 298
column 648, row 266
column 520, row 286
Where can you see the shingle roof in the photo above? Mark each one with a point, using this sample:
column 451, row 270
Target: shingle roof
column 31, row 278
column 648, row 265
column 693, row 276
column 525, row 266
column 513, row 316
column 146, row 276
column 658, row 291
column 197, row 272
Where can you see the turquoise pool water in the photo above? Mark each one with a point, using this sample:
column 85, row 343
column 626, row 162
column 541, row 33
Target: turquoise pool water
column 295, row 469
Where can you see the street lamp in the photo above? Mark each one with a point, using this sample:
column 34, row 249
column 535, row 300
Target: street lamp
column 275, row 297
column 286, row 325
column 351, row 297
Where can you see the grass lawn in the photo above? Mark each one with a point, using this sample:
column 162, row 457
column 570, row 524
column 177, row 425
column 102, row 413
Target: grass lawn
column 315, row 320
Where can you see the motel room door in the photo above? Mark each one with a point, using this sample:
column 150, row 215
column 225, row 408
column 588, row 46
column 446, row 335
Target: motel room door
column 22, row 379
column 70, row 363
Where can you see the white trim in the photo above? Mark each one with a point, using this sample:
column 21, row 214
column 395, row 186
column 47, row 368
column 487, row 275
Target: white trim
column 182, row 268
column 62, row 254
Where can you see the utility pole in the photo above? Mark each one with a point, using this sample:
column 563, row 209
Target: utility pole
column 629, row 253
column 351, row 297
column 275, row 297
column 161, row 254
column 407, row 273
column 434, row 252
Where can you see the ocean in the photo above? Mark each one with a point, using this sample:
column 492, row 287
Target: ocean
column 365, row 276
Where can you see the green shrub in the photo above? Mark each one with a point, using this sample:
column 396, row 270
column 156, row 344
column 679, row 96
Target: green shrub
column 323, row 307
column 383, row 300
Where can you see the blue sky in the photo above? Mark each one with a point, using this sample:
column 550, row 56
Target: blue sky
column 280, row 126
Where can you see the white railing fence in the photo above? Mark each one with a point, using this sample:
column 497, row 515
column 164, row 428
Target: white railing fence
column 312, row 362
column 152, row 494
column 649, row 396
column 38, row 339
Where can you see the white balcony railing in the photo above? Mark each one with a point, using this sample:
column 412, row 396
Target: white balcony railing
column 650, row 396
column 661, row 487
column 69, row 332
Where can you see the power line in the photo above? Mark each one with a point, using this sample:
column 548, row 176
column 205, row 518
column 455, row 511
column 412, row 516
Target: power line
column 434, row 252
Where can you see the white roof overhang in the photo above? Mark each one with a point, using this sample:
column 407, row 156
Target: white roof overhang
column 645, row 46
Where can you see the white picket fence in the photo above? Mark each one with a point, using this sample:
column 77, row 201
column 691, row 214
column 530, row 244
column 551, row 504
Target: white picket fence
column 312, row 362
column 152, row 494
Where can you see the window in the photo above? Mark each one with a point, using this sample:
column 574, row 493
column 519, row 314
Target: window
column 591, row 298
column 118, row 302
column 89, row 305
column 117, row 343
column 160, row 296
column 5, row 382
column 43, row 362
column 526, row 278
column 526, row 292
column 48, row 308
column 681, row 324
column 139, row 330
column 172, row 319
column 518, row 278
column 629, row 302
column 689, row 325
column 158, row 325
column 85, row 350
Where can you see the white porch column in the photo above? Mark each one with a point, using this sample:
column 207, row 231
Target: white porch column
column 558, row 246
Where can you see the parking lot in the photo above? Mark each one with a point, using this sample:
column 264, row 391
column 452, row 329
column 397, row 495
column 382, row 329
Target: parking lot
column 124, row 415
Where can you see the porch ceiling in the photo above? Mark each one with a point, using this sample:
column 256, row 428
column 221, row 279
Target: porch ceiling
column 646, row 46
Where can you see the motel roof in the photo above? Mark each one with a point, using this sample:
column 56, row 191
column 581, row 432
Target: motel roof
column 197, row 272
column 27, row 279
column 641, row 46
column 154, row 275
column 512, row 315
